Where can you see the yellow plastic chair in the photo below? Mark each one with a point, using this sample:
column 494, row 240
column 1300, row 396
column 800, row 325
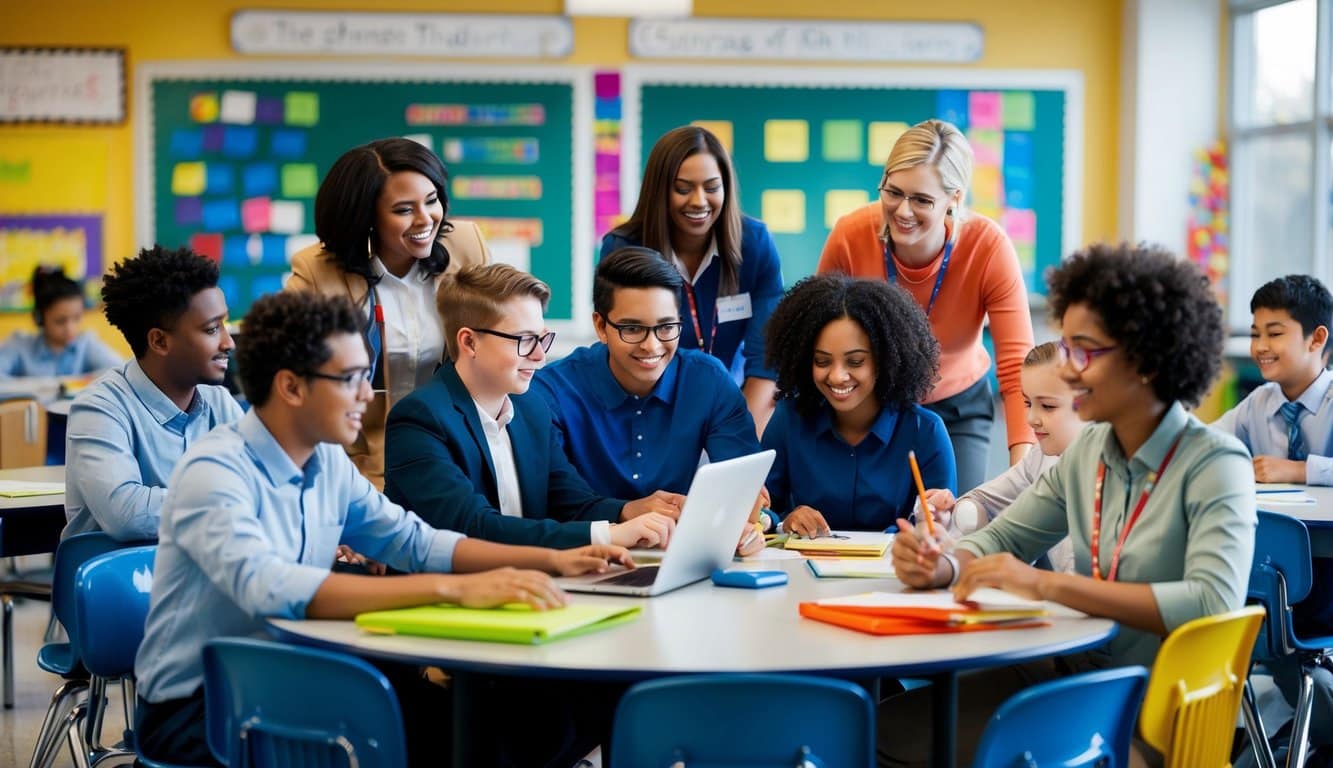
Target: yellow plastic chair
column 1194, row 693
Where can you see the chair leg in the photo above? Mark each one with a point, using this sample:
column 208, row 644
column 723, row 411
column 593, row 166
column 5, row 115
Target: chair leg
column 48, row 738
column 1300, row 727
column 92, row 718
column 1254, row 727
column 8, row 650
column 78, row 750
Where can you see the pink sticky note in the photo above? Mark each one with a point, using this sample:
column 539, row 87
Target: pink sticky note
column 986, row 146
column 255, row 214
column 607, row 200
column 985, row 110
column 606, row 163
column 1021, row 224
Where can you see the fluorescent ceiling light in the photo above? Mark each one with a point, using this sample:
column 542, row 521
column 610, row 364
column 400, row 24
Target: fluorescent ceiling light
column 631, row 8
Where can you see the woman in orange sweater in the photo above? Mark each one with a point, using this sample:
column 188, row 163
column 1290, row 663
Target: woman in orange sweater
column 960, row 268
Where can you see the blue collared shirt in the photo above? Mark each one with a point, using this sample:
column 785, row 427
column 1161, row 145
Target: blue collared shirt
column 246, row 534
column 123, row 440
column 1256, row 420
column 27, row 354
column 628, row 446
column 862, row 487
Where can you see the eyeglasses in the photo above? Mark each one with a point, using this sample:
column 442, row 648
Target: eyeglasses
column 526, row 342
column 633, row 333
column 1080, row 357
column 894, row 197
column 350, row 381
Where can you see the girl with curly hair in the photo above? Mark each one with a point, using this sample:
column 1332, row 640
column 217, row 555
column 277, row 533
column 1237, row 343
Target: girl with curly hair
column 852, row 357
column 1159, row 507
column 60, row 347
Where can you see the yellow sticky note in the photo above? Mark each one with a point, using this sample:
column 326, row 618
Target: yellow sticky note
column 986, row 186
column 205, row 107
column 302, row 108
column 784, row 210
column 882, row 138
column 786, row 141
column 188, row 179
column 722, row 129
column 840, row 202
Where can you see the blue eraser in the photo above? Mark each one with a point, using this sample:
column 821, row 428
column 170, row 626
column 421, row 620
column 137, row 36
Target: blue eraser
column 749, row 579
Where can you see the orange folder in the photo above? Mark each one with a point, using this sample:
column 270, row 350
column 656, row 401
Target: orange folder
column 915, row 621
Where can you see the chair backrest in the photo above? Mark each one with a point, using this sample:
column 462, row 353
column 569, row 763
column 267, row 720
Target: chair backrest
column 271, row 704
column 22, row 432
column 111, row 605
column 1280, row 576
column 71, row 554
column 732, row 719
column 1194, row 693
column 1081, row 720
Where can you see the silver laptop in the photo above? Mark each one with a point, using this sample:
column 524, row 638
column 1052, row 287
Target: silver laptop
column 720, row 499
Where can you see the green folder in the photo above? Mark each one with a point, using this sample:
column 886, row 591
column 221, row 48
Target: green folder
column 515, row 623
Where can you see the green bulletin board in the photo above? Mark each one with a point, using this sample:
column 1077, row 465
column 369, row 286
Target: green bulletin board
column 233, row 158
column 810, row 145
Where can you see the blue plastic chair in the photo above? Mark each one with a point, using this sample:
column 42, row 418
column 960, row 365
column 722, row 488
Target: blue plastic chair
column 1280, row 577
column 727, row 719
column 1081, row 720
column 63, row 658
column 346, row 713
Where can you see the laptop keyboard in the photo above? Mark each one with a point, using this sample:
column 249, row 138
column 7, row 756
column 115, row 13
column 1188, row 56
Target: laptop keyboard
column 639, row 577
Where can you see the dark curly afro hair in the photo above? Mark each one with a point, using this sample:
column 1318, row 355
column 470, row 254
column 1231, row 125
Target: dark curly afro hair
column 289, row 330
column 906, row 354
column 153, row 289
column 1159, row 309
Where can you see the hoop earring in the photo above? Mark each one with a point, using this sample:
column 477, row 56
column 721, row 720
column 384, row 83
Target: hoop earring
column 370, row 243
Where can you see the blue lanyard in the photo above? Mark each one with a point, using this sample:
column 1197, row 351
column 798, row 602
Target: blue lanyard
column 892, row 271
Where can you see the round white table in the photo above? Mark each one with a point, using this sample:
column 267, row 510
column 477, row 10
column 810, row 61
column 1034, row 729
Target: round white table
column 703, row 628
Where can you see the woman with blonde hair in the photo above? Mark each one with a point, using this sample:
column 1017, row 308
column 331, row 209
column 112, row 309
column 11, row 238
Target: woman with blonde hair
column 960, row 268
column 689, row 211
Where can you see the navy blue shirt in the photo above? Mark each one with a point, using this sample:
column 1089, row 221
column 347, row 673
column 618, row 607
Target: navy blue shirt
column 627, row 446
column 739, row 344
column 861, row 487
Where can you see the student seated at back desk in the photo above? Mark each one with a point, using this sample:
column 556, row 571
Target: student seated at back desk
column 58, row 348
column 1287, row 424
column 634, row 411
column 127, row 431
column 283, row 494
column 471, row 452
column 854, row 357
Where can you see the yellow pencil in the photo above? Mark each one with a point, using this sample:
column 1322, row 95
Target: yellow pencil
column 921, row 489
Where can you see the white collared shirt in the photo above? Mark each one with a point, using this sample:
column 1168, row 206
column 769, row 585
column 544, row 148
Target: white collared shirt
column 411, row 327
column 502, row 455
column 684, row 271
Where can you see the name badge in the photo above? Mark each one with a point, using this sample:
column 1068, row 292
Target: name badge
column 736, row 307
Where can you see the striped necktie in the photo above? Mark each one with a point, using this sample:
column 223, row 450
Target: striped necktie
column 1291, row 414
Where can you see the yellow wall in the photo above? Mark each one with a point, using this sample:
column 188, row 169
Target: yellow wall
column 1019, row 34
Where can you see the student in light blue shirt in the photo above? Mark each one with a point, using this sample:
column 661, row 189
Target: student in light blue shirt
column 256, row 509
column 635, row 412
column 128, row 429
column 854, row 358
column 58, row 348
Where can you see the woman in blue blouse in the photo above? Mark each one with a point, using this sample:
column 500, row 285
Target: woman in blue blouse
column 689, row 212
column 853, row 358
column 59, row 348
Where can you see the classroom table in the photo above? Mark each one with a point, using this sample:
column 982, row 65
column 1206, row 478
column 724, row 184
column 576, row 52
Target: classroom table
column 1318, row 517
column 706, row 629
column 31, row 525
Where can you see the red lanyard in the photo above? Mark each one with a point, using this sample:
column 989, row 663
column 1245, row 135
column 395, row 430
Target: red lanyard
column 698, row 329
column 1148, row 487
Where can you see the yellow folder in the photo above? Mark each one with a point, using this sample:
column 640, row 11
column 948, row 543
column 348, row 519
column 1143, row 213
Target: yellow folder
column 516, row 623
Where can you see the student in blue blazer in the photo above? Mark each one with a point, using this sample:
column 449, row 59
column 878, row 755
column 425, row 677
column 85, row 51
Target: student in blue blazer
column 473, row 453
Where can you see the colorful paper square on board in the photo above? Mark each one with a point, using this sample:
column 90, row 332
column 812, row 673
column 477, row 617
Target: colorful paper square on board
column 268, row 111
column 984, row 110
column 287, row 144
column 255, row 214
column 843, row 140
column 302, row 108
column 238, row 107
column 784, row 210
column 951, row 107
column 221, row 215
column 208, row 244
column 786, row 141
column 1020, row 224
column 606, row 85
column 274, row 250
column 204, row 108
column 1027, row 259
column 840, row 202
column 1018, row 110
column 235, row 251
column 987, row 189
column 299, row 180
column 188, row 179
column 987, row 146
column 259, row 179
column 189, row 211
column 286, row 217
column 1019, row 189
column 297, row 243
column 1018, row 148
column 239, row 141
column 881, row 138
column 722, row 129
column 607, row 109
column 263, row 285
column 187, row 143
column 221, row 180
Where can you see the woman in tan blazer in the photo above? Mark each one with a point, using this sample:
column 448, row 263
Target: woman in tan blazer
column 385, row 244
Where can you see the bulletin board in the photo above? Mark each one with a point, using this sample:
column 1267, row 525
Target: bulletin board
column 231, row 154
column 810, row 145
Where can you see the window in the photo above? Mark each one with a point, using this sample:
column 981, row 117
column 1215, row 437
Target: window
column 1281, row 127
